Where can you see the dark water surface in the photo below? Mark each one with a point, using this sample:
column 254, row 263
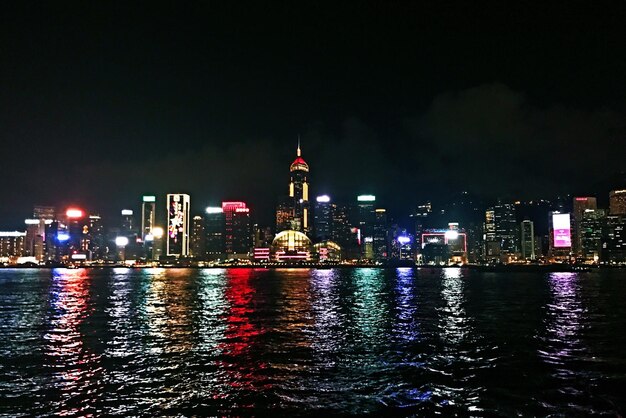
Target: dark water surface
column 290, row 342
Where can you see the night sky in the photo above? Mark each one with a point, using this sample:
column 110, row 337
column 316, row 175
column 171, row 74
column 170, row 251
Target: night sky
column 101, row 102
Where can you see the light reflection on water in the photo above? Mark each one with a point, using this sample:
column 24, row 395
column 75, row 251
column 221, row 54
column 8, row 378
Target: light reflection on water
column 75, row 369
column 242, row 341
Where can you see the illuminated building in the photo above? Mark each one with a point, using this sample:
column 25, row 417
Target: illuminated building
column 614, row 240
column 237, row 231
column 261, row 254
column 44, row 212
column 214, row 227
column 500, row 232
column 12, row 244
column 444, row 246
column 38, row 247
column 580, row 204
column 327, row 251
column 148, row 216
column 291, row 246
column 492, row 247
column 365, row 219
column 617, row 202
column 177, row 241
column 343, row 233
column 299, row 192
column 262, row 236
column 198, row 238
column 323, row 218
column 528, row 240
column 420, row 217
column 379, row 235
column 77, row 228
column 506, row 227
column 284, row 213
column 33, row 242
column 262, row 241
column 591, row 227
column 560, row 235
column 128, row 221
column 97, row 241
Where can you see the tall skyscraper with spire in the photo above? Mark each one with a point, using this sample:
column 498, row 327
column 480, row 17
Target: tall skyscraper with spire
column 299, row 192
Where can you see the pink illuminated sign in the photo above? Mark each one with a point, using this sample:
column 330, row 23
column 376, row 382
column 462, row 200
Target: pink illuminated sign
column 561, row 230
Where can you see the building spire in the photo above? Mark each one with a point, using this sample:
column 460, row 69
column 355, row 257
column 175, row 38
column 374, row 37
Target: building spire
column 299, row 152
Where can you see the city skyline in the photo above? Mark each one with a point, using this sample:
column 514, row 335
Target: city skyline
column 318, row 228
column 111, row 102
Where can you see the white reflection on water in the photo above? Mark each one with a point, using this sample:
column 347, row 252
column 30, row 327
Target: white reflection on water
column 212, row 308
column 328, row 336
column 119, row 311
column 156, row 310
column 75, row 368
column 454, row 327
column 406, row 326
column 461, row 355
column 563, row 324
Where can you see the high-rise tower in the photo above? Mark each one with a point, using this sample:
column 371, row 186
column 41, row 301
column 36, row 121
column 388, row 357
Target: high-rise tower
column 299, row 192
column 177, row 243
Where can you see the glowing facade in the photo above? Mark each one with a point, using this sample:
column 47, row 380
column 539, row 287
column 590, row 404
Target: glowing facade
column 291, row 245
column 237, row 232
column 177, row 242
column 148, row 213
column 299, row 194
column 561, row 230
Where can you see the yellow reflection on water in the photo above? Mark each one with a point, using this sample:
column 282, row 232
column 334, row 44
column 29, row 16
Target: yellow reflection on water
column 168, row 311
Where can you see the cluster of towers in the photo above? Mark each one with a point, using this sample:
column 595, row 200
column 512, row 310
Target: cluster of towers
column 321, row 229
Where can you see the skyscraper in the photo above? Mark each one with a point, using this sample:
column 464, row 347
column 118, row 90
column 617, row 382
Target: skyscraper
column 492, row 246
column 365, row 218
column 379, row 235
column 148, row 216
column 177, row 242
column 198, row 237
column 614, row 239
column 506, row 227
column 617, row 202
column 97, row 242
column 299, row 192
column 128, row 221
column 343, row 234
column 214, row 227
column 580, row 204
column 237, row 228
column 591, row 227
column 528, row 240
column 323, row 218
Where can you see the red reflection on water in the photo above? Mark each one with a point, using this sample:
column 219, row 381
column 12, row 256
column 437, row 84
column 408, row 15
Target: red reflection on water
column 240, row 331
column 242, row 373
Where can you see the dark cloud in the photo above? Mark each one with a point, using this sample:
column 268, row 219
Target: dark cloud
column 494, row 141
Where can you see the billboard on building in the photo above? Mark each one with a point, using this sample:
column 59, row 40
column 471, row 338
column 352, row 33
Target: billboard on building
column 561, row 230
column 177, row 224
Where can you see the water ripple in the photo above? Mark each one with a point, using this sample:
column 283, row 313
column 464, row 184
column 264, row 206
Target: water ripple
column 403, row 342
